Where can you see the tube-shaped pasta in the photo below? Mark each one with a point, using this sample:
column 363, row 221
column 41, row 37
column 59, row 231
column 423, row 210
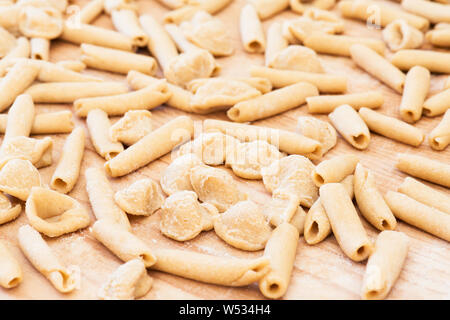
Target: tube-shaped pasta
column 98, row 124
column 177, row 35
column 268, row 8
column 144, row 99
column 68, row 92
column 7, row 42
column 74, row 65
column 280, row 250
column 384, row 265
column 159, row 44
column 44, row 260
column 225, row 271
column 377, row 13
column 276, row 42
column 334, row 169
column 424, row 168
column 263, row 85
column 400, row 35
column 351, row 126
column 154, row 145
column 280, row 78
column 90, row 11
column 68, row 169
column 20, row 117
column 46, row 123
column 188, row 11
column 51, row 72
column 115, row 60
column 439, row 38
column 392, row 128
column 126, row 22
column 85, row 33
column 252, row 33
column 439, row 137
column 378, row 67
column 173, row 4
column 101, row 197
column 435, row 12
column 427, row 195
column 417, row 83
column 345, row 223
column 370, row 201
column 437, row 104
column 286, row 141
column 16, row 81
column 327, row 103
column 10, row 273
column 419, row 215
column 21, row 50
column 432, row 60
column 272, row 103
column 340, row 45
column 40, row 48
column 122, row 242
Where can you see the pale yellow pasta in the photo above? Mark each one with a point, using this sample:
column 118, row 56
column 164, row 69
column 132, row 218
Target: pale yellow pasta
column 37, row 151
column 272, row 103
column 176, row 177
column 154, row 145
column 280, row 250
column 74, row 65
column 268, row 8
column 20, row 118
column 46, row 123
column 400, row 35
column 18, row 177
column 442, row 25
column 417, row 84
column 378, row 66
column 275, row 42
column 7, row 42
column 188, row 11
column 419, row 215
column 226, row 271
column 115, row 60
column 432, row 60
column 252, row 33
column 392, row 128
column 90, row 11
column 263, row 85
column 340, row 45
column 68, row 92
column 297, row 30
column 51, row 72
column 21, row 50
column 141, row 198
column 345, row 222
column 334, row 169
column 437, row 104
column 9, row 17
column 298, row 220
column 68, row 169
column 351, row 126
column 424, row 168
column 129, row 281
column 327, row 103
column 177, row 35
column 40, row 22
column 280, row 78
column 8, row 211
column 126, row 22
column 439, row 37
column 53, row 213
column 124, row 244
column 318, row 130
column 111, row 5
column 317, row 14
column 11, row 273
column 439, row 137
column 173, row 4
column 296, row 57
column 40, row 48
column 132, row 127
column 384, row 265
column 101, row 197
column 209, row 147
column 434, row 12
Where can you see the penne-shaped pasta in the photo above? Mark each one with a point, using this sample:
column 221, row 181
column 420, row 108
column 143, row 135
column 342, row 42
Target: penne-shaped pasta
column 272, row 103
column 377, row 66
column 437, row 104
column 10, row 273
column 127, row 23
column 327, row 103
column 252, row 33
column 392, row 128
column 74, row 65
column 400, row 35
column 90, row 11
column 154, row 145
column 281, row 78
column 345, row 222
column 40, row 48
column 351, row 126
column 280, row 250
column 419, row 215
column 177, row 35
column 20, row 117
column 101, row 197
column 439, row 37
column 276, row 42
column 384, row 265
column 68, row 169
column 439, row 137
column 424, row 168
column 269, row 8
column 173, row 4
column 434, row 12
column 68, row 92
column 340, row 45
column 432, row 60
column 46, row 123
column 44, row 260
column 334, row 169
column 263, row 85
column 115, row 60
column 417, row 84
column 188, row 11
column 21, row 50
column 51, row 72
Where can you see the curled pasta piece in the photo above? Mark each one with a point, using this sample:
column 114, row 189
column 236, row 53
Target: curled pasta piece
column 276, row 42
column 188, row 11
column 11, row 273
column 126, row 22
column 435, row 61
column 20, row 118
column 334, row 169
column 53, row 213
column 252, row 33
column 18, row 177
column 7, row 42
column 400, row 35
column 298, row 58
column 40, row 49
column 417, row 84
column 317, row 130
column 141, row 198
column 176, row 177
column 37, row 151
column 318, row 14
column 327, row 103
column 74, row 65
column 268, row 8
column 46, row 123
column 439, row 137
column 8, row 211
column 132, row 127
column 437, row 104
column 20, row 50
column 209, row 147
column 90, row 11
column 302, row 27
column 40, row 22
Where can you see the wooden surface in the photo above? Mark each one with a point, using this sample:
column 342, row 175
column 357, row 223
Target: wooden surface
column 320, row 272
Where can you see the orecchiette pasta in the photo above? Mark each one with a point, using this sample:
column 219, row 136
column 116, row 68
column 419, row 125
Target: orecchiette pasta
column 8, row 210
column 132, row 127
column 318, row 130
column 176, row 177
column 18, row 177
column 141, row 198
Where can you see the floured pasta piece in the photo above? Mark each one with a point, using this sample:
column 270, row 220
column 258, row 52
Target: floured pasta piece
column 8, row 212
column 318, row 130
column 17, row 178
column 209, row 33
column 296, row 57
column 142, row 198
column 133, row 126
column 183, row 217
column 191, row 65
column 7, row 43
column 215, row 186
column 37, row 151
column 53, row 213
column 243, row 226
column 325, row 16
column 400, row 35
column 247, row 159
column 301, row 27
column 176, row 177
column 111, row 5
column 40, row 22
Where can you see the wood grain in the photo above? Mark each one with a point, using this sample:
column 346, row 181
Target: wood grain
column 320, row 272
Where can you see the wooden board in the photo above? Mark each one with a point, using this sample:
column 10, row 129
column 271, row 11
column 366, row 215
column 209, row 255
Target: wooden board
column 320, row 272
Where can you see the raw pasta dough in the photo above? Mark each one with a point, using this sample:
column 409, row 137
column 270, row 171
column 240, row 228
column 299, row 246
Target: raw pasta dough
column 142, row 198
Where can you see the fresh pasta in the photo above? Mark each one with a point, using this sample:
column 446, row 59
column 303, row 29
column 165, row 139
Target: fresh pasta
column 252, row 33
column 437, row 104
column 40, row 48
column 439, row 37
column 268, row 8
column 417, row 83
column 432, row 60
column 439, row 137
column 334, row 169
column 400, row 35
column 327, row 103
column 434, row 12
column 46, row 123
column 127, row 23
column 11, row 274
column 340, row 45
